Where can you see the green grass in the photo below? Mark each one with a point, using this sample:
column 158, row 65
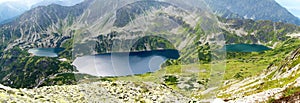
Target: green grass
column 295, row 62
column 291, row 91
column 274, row 84
column 246, row 69
column 253, row 64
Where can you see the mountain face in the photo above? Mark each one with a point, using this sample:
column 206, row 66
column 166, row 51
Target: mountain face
column 39, row 23
column 49, row 26
column 252, row 9
column 66, row 23
column 256, row 32
column 97, row 26
column 10, row 10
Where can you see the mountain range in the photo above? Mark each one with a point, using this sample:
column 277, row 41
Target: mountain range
column 225, row 8
column 198, row 29
column 9, row 10
column 96, row 26
column 252, row 9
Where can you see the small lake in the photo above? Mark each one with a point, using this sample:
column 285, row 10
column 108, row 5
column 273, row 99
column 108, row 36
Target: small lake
column 246, row 48
column 45, row 52
column 124, row 63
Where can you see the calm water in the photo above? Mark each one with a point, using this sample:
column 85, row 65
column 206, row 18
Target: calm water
column 125, row 63
column 246, row 48
column 45, row 52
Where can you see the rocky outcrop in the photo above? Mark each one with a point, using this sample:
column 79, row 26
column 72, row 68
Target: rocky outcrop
column 118, row 91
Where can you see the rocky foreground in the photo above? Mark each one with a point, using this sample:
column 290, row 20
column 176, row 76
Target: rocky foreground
column 119, row 91
column 112, row 92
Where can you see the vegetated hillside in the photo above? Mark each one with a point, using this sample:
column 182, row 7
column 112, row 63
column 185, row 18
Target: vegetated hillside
column 252, row 9
column 20, row 70
column 278, row 81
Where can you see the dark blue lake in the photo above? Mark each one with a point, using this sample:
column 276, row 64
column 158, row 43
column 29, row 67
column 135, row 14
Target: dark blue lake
column 124, row 63
column 246, row 48
column 45, row 52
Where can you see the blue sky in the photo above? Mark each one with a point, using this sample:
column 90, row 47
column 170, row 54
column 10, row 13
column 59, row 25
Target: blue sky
column 292, row 5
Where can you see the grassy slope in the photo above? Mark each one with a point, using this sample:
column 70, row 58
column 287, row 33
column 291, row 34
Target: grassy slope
column 238, row 67
column 275, row 57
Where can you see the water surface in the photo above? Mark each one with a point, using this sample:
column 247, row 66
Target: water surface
column 124, row 63
column 246, row 48
column 45, row 52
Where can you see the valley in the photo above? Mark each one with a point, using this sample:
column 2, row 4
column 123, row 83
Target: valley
column 150, row 51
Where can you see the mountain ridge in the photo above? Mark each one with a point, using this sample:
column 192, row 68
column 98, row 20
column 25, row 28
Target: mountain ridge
column 259, row 10
column 12, row 9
